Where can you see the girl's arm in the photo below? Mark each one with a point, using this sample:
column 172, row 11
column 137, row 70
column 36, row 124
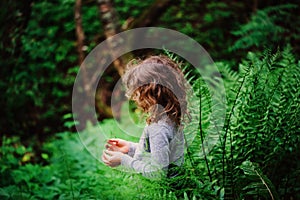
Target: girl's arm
column 120, row 145
column 153, row 163
column 132, row 148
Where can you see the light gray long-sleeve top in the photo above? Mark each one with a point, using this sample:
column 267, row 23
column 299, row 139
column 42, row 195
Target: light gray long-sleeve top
column 160, row 145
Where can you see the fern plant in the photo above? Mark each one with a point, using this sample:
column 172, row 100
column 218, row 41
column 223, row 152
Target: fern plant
column 263, row 124
column 265, row 28
column 258, row 185
column 261, row 127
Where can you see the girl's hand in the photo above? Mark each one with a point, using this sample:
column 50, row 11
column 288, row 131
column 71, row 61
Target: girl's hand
column 111, row 158
column 118, row 145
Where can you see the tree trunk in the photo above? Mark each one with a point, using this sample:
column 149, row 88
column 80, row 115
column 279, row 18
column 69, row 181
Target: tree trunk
column 83, row 102
column 111, row 24
column 80, row 39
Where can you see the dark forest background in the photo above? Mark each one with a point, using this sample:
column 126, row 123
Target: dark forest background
column 256, row 46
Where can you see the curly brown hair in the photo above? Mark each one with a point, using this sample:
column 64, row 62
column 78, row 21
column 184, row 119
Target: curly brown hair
column 157, row 85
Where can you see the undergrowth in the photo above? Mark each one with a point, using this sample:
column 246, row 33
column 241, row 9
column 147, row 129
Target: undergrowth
column 255, row 156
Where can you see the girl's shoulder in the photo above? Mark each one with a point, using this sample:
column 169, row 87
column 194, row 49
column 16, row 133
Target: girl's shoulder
column 163, row 122
column 162, row 126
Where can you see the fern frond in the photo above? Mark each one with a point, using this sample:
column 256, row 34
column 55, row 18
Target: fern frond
column 264, row 28
column 258, row 184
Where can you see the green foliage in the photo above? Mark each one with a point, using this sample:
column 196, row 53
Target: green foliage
column 38, row 47
column 71, row 173
column 264, row 111
column 131, row 9
column 263, row 108
column 258, row 185
column 39, row 76
column 268, row 27
column 277, row 114
column 208, row 22
column 256, row 156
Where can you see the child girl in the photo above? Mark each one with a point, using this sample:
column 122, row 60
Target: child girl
column 157, row 86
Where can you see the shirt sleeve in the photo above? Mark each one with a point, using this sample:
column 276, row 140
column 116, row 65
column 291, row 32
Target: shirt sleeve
column 132, row 148
column 152, row 163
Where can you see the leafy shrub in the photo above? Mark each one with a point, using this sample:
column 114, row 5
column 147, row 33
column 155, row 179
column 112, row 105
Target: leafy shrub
column 261, row 127
column 254, row 156
column 37, row 80
column 269, row 27
column 71, row 173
